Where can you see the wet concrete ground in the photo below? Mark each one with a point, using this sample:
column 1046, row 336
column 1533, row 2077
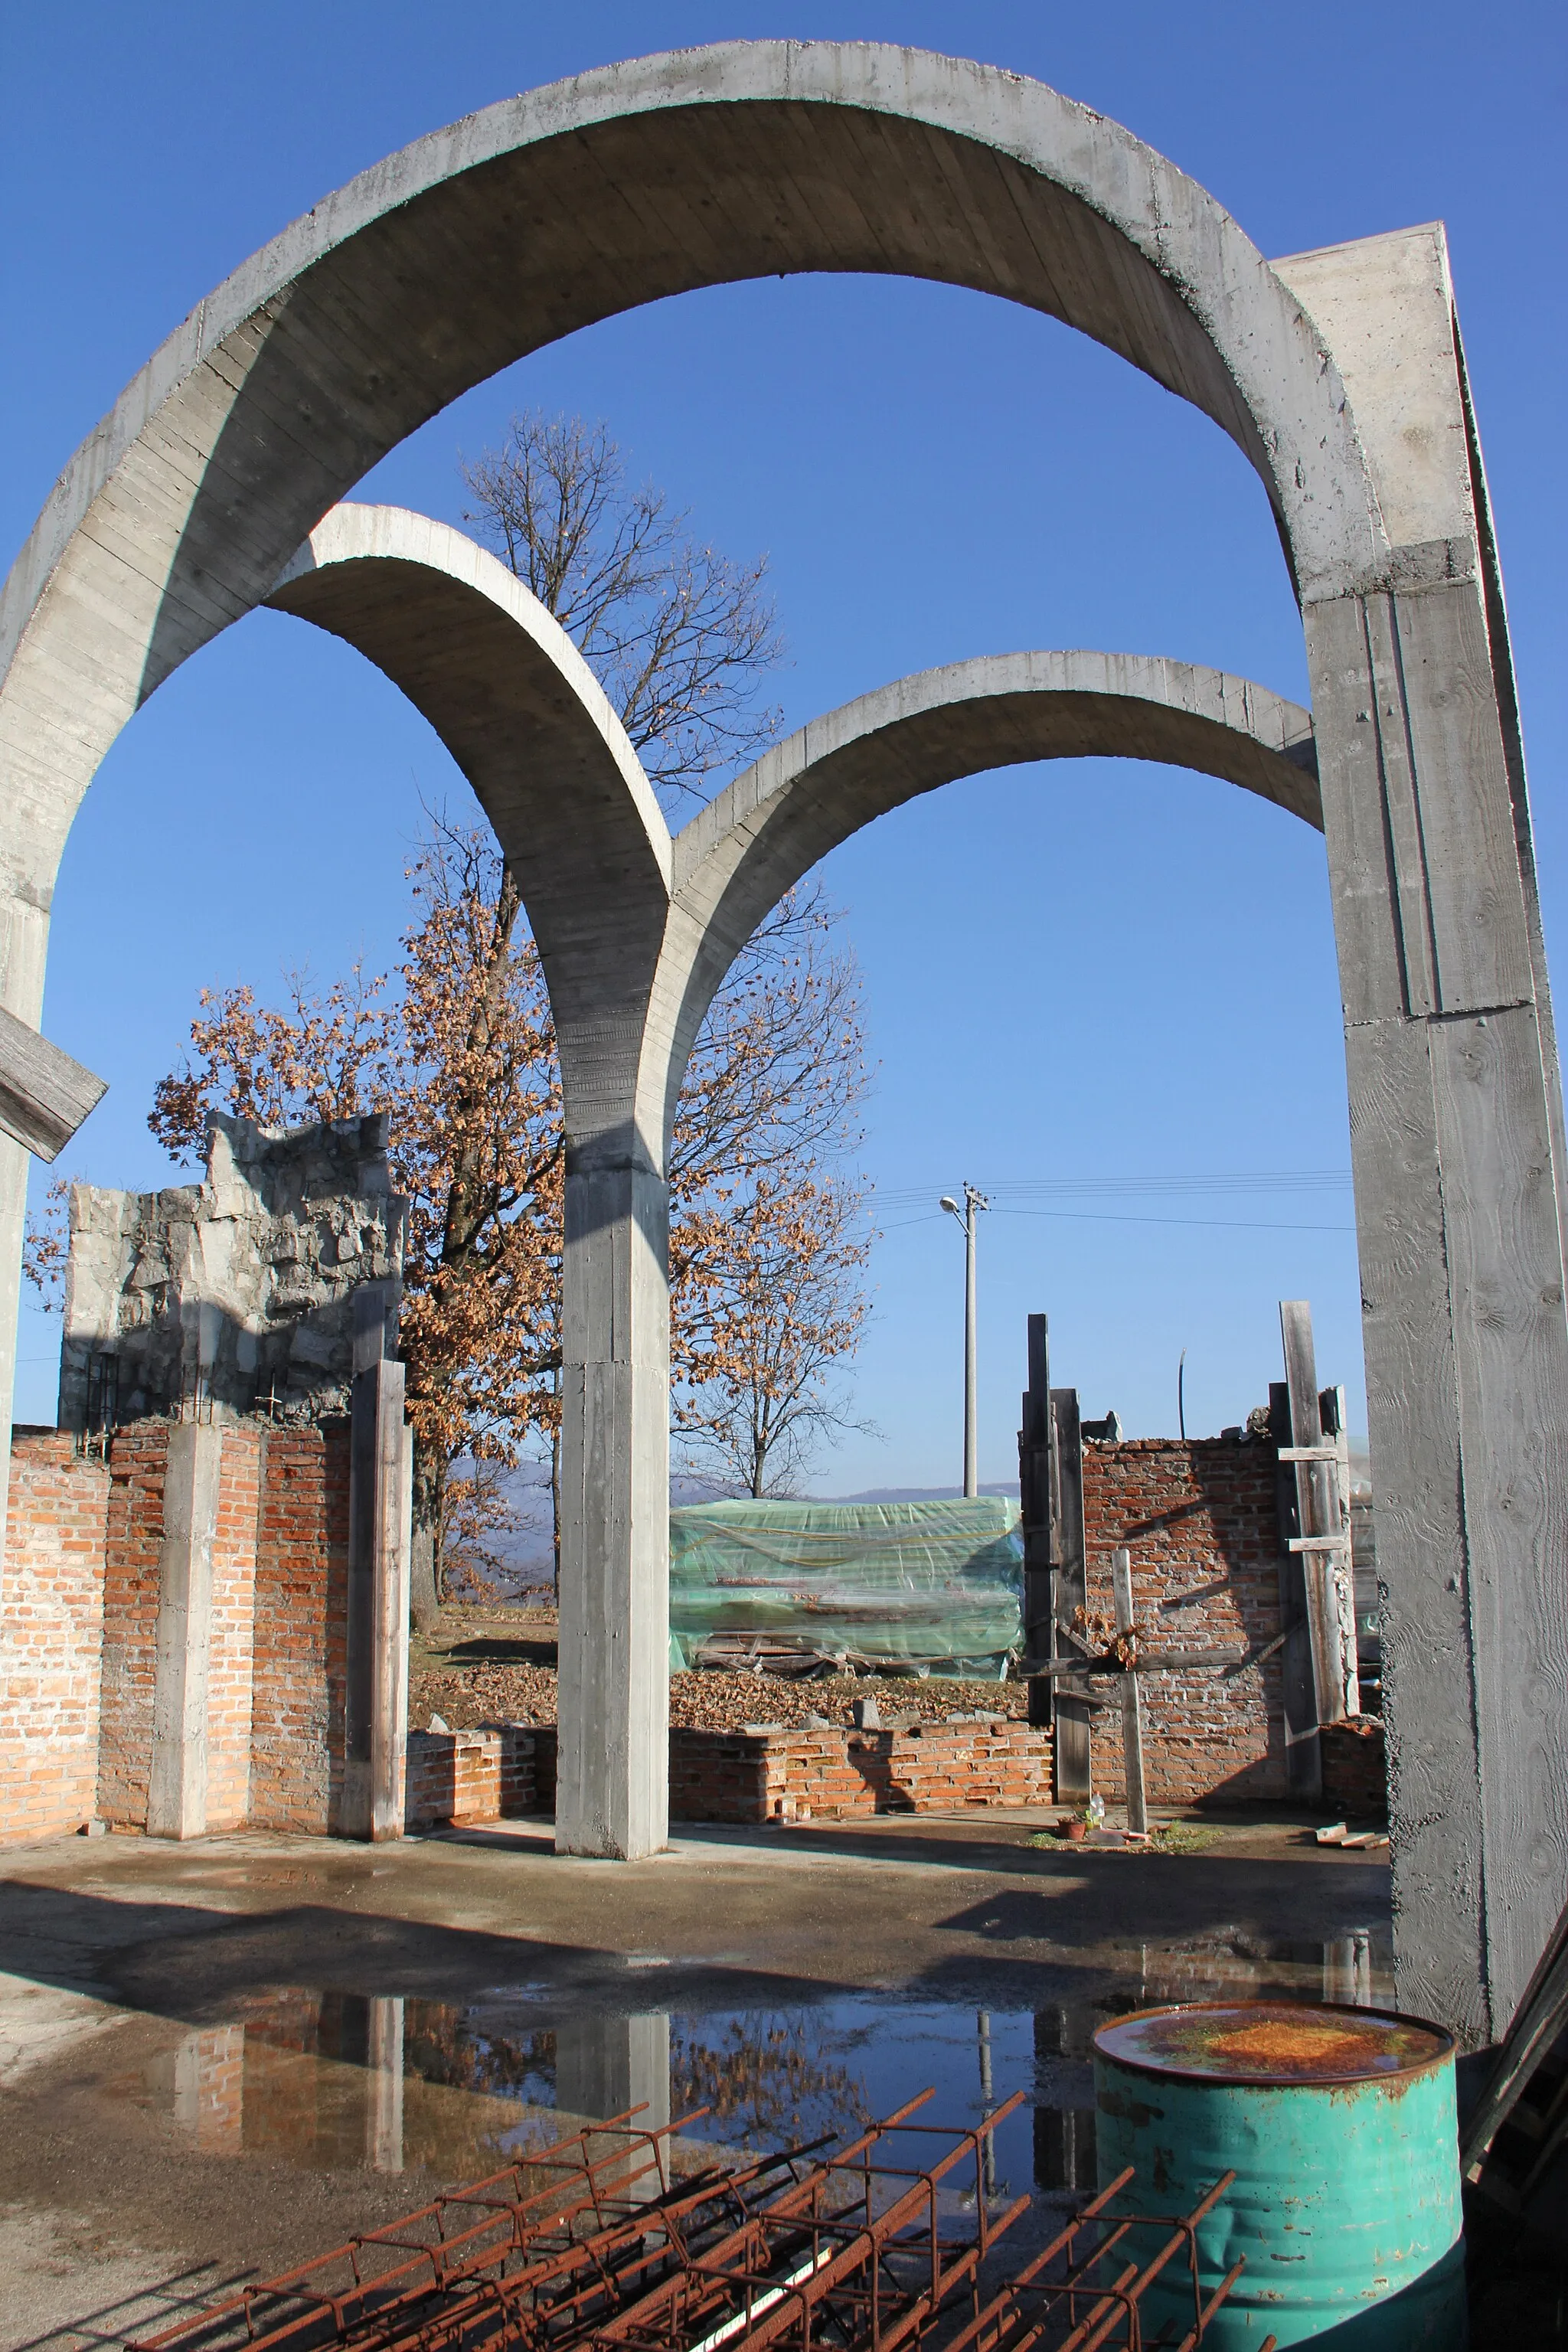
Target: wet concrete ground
column 217, row 2060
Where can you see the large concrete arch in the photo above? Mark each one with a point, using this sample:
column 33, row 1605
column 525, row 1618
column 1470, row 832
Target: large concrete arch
column 1339, row 374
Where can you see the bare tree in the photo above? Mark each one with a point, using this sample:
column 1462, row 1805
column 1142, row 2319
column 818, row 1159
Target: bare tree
column 677, row 634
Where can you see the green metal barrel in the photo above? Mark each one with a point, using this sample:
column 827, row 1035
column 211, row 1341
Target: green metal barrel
column 1340, row 2126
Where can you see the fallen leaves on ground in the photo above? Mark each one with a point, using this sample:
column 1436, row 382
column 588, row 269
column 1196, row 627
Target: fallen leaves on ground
column 470, row 1691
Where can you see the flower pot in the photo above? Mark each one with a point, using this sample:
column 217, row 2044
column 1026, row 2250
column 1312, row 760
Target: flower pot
column 1074, row 1831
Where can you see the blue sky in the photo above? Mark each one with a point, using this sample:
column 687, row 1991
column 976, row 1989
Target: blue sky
column 1081, row 972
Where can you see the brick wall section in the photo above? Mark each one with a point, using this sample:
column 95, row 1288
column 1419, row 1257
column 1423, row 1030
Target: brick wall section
column 1200, row 1520
column 300, row 1614
column 828, row 1775
column 462, row 1775
column 230, row 1656
column 133, row 1539
column 51, row 1629
column 503, row 1769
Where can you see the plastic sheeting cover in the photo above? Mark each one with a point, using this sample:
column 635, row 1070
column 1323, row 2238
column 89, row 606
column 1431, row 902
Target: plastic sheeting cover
column 930, row 1586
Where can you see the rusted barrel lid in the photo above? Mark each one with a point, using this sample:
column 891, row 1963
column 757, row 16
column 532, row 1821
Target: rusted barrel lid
column 1272, row 2041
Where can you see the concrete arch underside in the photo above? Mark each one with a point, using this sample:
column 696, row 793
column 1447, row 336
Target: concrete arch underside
column 1339, row 374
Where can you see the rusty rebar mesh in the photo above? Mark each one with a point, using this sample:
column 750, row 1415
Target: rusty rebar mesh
column 595, row 2246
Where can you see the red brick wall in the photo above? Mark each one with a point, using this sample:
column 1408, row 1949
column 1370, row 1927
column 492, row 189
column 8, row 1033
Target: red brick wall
column 79, row 1614
column 300, row 1614
column 133, row 1539
column 1200, row 1522
column 457, row 1776
column 51, row 1631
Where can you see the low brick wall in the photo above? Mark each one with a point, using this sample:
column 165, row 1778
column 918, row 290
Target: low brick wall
column 470, row 1776
column 503, row 1769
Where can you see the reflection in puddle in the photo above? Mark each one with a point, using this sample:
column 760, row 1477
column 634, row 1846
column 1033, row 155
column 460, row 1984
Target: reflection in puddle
column 342, row 2081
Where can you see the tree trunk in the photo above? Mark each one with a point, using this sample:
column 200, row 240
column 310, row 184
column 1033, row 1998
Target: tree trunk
column 424, row 1564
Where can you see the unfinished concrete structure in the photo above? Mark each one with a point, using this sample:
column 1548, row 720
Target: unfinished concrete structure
column 237, row 1292
column 1340, row 376
column 204, row 1619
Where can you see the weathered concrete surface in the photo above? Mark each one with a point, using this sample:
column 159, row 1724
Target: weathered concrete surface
column 177, row 1785
column 642, row 180
column 237, row 1291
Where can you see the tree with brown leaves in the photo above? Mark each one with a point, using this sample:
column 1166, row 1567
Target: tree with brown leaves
column 460, row 1049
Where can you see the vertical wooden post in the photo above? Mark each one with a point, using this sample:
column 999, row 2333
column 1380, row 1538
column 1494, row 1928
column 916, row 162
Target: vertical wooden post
column 1072, row 1776
column 1333, row 1414
column 1317, row 1509
column 1132, row 1698
column 1303, row 1753
column 1035, row 1504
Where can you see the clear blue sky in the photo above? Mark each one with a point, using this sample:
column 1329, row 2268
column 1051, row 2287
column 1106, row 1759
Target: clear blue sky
column 1090, row 972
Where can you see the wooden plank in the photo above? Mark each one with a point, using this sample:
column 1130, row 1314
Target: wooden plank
column 1334, row 1414
column 43, row 1094
column 1303, row 1755
column 1132, row 1701
column 1035, row 1506
column 1317, row 1509
column 1071, row 1768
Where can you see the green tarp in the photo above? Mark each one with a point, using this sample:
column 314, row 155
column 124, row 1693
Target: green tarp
column 928, row 1587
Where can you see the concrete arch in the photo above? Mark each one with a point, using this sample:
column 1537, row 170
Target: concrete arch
column 511, row 228
column 527, row 721
column 737, row 857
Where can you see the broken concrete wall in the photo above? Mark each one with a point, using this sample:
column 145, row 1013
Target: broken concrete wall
column 233, row 1295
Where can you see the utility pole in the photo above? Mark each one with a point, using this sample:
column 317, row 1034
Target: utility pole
column 972, row 1202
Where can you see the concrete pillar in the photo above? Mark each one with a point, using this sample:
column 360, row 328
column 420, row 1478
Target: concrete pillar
column 376, row 1727
column 177, row 1787
column 1456, row 1141
column 612, row 1790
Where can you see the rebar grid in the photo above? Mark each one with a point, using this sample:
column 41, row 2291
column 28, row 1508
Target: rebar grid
column 1069, row 2297
column 848, row 2255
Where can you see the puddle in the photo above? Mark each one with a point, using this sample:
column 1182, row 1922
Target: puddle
column 343, row 2081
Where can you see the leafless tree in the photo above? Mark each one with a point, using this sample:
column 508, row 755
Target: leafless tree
column 677, row 634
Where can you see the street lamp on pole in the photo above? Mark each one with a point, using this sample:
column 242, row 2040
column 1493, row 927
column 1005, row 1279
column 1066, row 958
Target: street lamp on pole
column 972, row 1202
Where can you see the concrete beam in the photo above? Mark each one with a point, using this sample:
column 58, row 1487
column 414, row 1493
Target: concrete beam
column 44, row 1094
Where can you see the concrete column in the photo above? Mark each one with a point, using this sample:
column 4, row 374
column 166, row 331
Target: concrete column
column 1452, row 1084
column 24, row 951
column 613, row 1792
column 375, row 1728
column 177, row 1787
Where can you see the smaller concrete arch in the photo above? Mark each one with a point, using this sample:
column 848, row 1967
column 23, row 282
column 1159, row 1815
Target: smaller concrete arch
column 527, row 721
column 738, row 856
